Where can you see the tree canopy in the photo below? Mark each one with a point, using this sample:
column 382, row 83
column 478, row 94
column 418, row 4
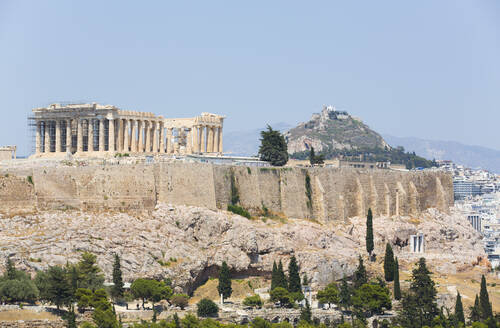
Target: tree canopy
column 273, row 148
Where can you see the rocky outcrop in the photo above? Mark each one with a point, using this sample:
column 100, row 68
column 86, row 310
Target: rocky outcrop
column 332, row 129
column 189, row 243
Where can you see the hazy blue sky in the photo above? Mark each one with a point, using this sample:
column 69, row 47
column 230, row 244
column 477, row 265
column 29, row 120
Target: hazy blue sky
column 409, row 68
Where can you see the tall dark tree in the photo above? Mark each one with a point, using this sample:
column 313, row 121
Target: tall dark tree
column 360, row 277
column 294, row 285
column 424, row 291
column 282, row 280
column 59, row 289
column 10, row 269
column 369, row 232
column 312, row 156
column 305, row 313
column 224, row 286
column 274, row 276
column 459, row 309
column 117, row 290
column 273, row 148
column 389, row 263
column 397, row 287
column 345, row 294
column 475, row 311
column 484, row 301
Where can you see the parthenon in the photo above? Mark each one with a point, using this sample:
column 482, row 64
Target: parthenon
column 95, row 130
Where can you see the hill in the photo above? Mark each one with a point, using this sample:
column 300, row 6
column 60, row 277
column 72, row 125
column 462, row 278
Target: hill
column 331, row 130
column 468, row 155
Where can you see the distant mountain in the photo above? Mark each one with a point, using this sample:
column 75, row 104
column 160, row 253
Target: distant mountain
column 333, row 130
column 470, row 156
column 246, row 143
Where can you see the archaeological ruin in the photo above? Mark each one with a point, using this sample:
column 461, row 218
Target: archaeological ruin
column 93, row 130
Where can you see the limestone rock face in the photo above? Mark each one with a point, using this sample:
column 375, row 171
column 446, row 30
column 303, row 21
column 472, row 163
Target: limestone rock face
column 188, row 244
column 332, row 129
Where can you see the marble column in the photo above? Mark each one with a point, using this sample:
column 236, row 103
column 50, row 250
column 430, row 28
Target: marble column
column 155, row 137
column 69, row 140
column 220, row 140
column 170, row 145
column 134, row 136
column 119, row 141
column 140, row 127
column 58, row 136
column 101, row 134
column 79, row 139
column 38, row 144
column 148, row 136
column 189, row 142
column 111, row 140
column 203, row 145
column 126, row 136
column 216, row 140
column 210, row 146
column 194, row 133
column 162, row 138
column 90, row 140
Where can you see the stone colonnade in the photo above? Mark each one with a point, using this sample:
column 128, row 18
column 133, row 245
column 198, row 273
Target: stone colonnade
column 119, row 131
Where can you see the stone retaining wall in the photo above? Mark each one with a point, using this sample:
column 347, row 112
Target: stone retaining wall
column 334, row 194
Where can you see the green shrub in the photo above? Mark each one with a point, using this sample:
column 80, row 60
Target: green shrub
column 239, row 210
column 30, row 180
column 253, row 301
column 207, row 308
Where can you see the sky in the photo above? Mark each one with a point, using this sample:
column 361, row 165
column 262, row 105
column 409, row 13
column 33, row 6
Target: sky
column 428, row 69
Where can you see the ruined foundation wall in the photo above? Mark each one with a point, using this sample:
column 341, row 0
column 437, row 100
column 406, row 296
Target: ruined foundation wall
column 330, row 194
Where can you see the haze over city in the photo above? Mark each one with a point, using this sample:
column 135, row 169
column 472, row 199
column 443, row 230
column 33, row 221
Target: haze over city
column 423, row 69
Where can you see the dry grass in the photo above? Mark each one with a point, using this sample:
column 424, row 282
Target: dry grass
column 241, row 289
column 14, row 315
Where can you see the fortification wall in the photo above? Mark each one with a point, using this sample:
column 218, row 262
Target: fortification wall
column 321, row 193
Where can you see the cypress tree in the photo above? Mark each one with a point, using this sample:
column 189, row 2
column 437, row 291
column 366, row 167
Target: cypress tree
column 293, row 276
column 117, row 289
column 305, row 280
column 282, row 280
column 10, row 270
column 484, row 301
column 475, row 312
column 224, row 287
column 360, row 277
column 274, row 276
column 305, row 313
column 397, row 287
column 459, row 309
column 389, row 263
column 312, row 156
column 369, row 232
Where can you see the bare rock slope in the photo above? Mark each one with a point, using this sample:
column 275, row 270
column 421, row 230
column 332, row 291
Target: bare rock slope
column 189, row 243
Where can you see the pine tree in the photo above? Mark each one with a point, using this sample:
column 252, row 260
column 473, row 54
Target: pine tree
column 389, row 263
column 397, row 287
column 293, row 276
column 282, row 280
column 360, row 277
column 117, row 289
column 459, row 309
column 224, row 287
column 484, row 301
column 71, row 318
column 424, row 292
column 274, row 276
column 273, row 147
column 369, row 232
column 475, row 312
column 305, row 313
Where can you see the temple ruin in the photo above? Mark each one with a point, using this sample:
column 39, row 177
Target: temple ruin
column 89, row 130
